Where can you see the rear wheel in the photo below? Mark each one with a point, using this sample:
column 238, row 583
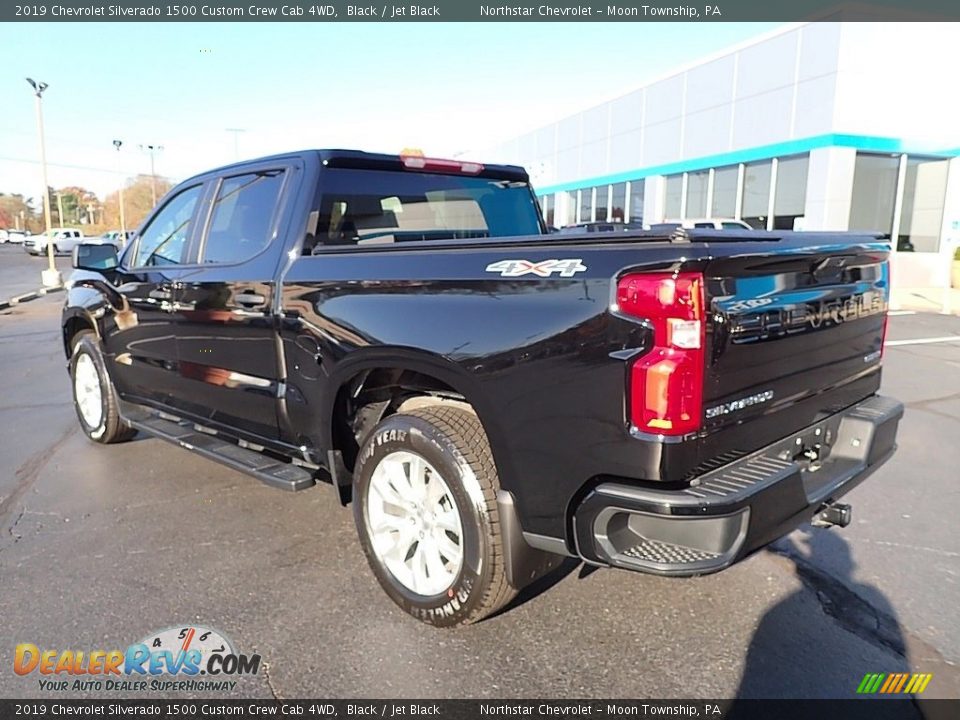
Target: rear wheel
column 94, row 397
column 425, row 490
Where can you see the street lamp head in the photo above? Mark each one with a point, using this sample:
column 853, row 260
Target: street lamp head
column 38, row 87
column 117, row 144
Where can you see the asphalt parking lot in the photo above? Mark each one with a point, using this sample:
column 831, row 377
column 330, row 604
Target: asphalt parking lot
column 101, row 545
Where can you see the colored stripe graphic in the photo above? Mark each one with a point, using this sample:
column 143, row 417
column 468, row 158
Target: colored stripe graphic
column 894, row 683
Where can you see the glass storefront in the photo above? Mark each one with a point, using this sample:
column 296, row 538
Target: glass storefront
column 874, row 193
column 673, row 197
column 600, row 214
column 618, row 202
column 744, row 192
column 724, row 203
column 637, row 188
column 791, row 192
column 697, row 194
column 756, row 193
column 921, row 214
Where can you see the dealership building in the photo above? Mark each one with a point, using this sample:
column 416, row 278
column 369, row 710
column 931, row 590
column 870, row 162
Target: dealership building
column 818, row 126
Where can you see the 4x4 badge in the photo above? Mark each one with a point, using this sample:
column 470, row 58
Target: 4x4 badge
column 544, row 268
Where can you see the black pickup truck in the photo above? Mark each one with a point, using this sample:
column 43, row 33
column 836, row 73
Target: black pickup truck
column 491, row 397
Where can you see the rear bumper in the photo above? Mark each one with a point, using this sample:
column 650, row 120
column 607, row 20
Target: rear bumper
column 728, row 513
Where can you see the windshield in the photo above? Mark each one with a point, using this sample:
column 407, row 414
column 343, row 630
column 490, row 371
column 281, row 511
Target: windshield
column 360, row 207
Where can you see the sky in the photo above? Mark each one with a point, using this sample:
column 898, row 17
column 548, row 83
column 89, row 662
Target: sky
column 381, row 87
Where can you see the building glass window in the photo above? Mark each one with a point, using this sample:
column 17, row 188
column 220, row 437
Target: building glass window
column 791, row 193
column 674, row 190
column 874, row 192
column 618, row 202
column 586, row 205
column 571, row 217
column 547, row 204
column 756, row 193
column 697, row 193
column 924, row 191
column 601, row 212
column 636, row 201
column 724, row 203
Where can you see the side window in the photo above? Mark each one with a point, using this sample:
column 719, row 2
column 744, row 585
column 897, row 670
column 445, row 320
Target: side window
column 242, row 217
column 164, row 240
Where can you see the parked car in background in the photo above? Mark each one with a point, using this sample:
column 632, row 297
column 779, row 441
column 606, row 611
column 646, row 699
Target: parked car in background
column 62, row 239
column 701, row 224
column 112, row 237
column 16, row 236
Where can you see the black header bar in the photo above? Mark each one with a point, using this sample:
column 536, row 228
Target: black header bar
column 478, row 11
column 51, row 708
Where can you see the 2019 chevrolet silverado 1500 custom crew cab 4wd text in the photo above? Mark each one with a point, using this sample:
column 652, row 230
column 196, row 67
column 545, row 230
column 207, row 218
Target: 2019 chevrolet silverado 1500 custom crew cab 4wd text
column 490, row 397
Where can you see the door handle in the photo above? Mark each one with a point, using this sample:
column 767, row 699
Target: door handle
column 249, row 299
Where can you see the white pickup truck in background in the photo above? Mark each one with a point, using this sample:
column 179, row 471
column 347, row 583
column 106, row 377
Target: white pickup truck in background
column 63, row 240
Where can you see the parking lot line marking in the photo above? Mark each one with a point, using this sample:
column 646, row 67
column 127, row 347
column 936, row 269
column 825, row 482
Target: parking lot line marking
column 923, row 341
column 902, row 312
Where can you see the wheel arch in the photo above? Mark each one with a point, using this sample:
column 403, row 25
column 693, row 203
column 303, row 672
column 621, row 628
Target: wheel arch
column 389, row 377
column 74, row 321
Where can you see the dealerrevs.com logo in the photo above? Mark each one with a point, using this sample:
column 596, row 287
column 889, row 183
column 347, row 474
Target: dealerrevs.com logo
column 186, row 658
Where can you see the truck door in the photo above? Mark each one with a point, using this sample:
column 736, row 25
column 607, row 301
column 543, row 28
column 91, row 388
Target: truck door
column 142, row 346
column 227, row 336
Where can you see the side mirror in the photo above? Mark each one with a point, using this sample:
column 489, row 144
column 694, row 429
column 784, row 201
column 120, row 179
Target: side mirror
column 88, row 256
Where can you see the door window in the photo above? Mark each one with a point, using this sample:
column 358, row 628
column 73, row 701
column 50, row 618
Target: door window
column 164, row 240
column 242, row 217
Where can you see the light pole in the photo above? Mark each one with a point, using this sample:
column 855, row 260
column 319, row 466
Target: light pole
column 236, row 146
column 50, row 277
column 123, row 220
column 59, row 209
column 152, row 150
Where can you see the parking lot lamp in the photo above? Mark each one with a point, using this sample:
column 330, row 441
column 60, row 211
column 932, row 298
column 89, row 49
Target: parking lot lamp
column 123, row 220
column 50, row 277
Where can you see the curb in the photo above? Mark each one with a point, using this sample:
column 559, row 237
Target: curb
column 27, row 297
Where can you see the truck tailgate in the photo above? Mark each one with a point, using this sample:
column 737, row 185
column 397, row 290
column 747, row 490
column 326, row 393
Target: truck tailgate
column 792, row 336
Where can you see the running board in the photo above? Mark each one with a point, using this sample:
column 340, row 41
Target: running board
column 184, row 433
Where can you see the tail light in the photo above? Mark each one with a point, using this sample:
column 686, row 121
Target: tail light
column 666, row 384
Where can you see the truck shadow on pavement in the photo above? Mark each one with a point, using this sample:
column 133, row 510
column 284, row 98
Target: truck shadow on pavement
column 540, row 586
column 821, row 640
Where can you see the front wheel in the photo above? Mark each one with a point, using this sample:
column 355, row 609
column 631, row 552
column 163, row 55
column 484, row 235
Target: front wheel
column 93, row 395
column 425, row 489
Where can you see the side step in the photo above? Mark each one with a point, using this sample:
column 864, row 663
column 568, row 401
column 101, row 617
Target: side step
column 285, row 476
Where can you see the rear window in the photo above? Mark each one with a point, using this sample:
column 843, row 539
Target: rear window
column 375, row 207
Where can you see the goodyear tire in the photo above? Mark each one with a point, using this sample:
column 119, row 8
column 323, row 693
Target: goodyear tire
column 94, row 397
column 425, row 489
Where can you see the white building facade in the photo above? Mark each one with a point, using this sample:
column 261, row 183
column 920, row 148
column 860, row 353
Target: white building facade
column 820, row 126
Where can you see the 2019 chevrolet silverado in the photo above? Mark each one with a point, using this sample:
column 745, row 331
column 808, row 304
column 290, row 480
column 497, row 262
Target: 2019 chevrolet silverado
column 490, row 397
